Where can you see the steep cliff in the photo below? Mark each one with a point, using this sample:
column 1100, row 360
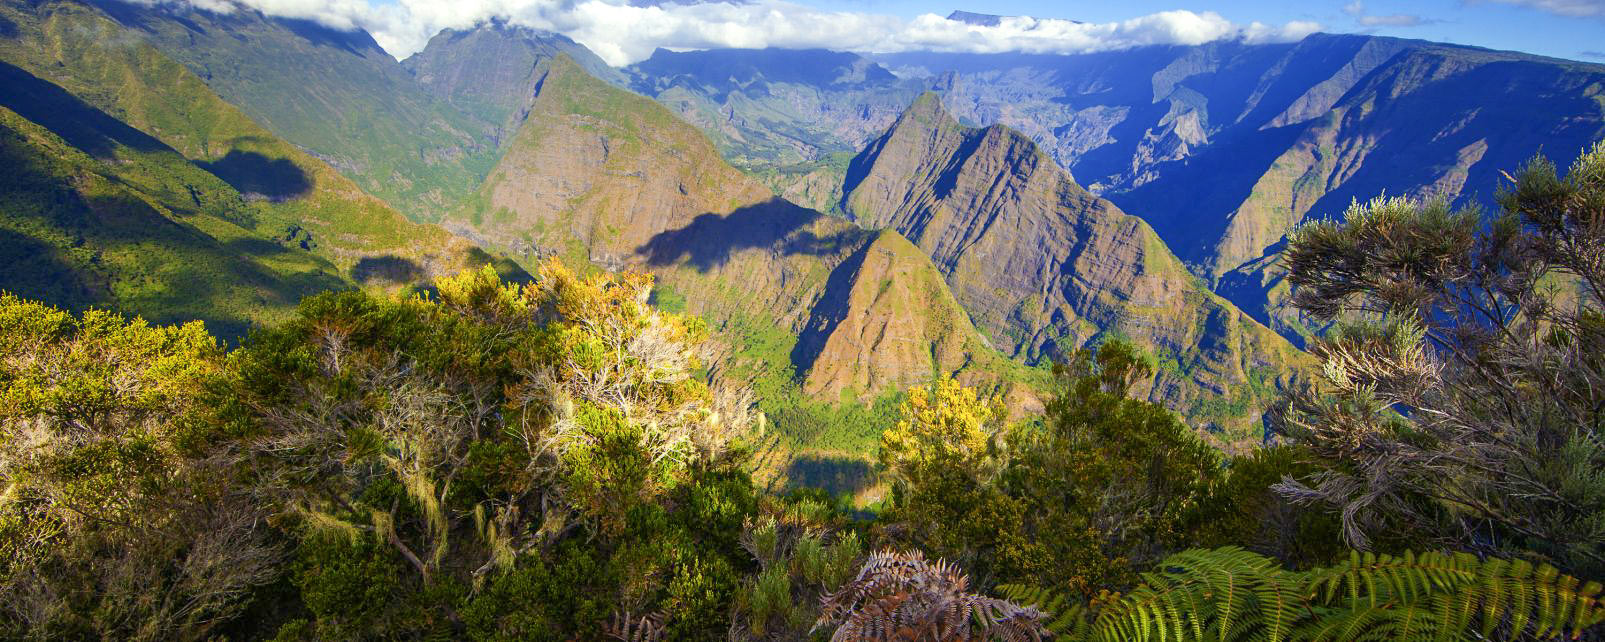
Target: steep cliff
column 1221, row 147
column 887, row 314
column 795, row 298
column 603, row 176
column 1422, row 124
column 1044, row 267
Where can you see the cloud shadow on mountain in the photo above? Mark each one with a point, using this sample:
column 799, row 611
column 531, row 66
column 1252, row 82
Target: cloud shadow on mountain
column 257, row 176
column 393, row 269
column 711, row 239
column 75, row 121
column 836, row 474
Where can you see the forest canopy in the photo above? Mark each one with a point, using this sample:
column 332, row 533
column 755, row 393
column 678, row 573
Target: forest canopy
column 548, row 460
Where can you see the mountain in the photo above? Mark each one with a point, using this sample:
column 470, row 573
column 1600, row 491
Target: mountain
column 133, row 186
column 79, row 233
column 791, row 118
column 601, row 176
column 454, row 66
column 1044, row 267
column 885, row 313
column 335, row 94
column 1432, row 122
column 1223, row 147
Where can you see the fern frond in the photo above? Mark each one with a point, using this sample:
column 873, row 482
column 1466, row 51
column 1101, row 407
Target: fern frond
column 1229, row 594
column 1065, row 618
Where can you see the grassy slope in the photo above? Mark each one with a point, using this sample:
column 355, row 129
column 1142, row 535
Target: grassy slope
column 135, row 147
column 336, row 94
column 80, row 232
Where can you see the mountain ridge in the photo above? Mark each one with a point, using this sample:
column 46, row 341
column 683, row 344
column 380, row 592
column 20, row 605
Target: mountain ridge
column 1044, row 267
column 1214, row 145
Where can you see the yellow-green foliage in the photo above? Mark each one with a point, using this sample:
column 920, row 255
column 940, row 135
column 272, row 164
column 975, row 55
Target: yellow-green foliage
column 118, row 518
column 1099, row 488
column 945, row 425
column 470, row 431
column 79, row 373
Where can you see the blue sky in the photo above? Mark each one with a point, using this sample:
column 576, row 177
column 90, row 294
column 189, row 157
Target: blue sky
column 1535, row 27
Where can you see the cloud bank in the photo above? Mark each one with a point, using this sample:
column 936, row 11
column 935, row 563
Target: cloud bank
column 622, row 33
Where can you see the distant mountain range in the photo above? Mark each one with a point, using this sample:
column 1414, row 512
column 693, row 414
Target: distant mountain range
column 849, row 226
column 1222, row 147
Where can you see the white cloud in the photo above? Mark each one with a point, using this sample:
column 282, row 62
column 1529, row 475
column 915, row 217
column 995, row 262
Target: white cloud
column 622, row 32
column 1357, row 10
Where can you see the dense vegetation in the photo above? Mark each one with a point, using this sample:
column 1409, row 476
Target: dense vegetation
column 491, row 461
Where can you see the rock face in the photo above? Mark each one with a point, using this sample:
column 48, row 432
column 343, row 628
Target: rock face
column 597, row 174
column 1225, row 146
column 886, row 314
column 1044, row 267
column 597, row 166
column 1422, row 124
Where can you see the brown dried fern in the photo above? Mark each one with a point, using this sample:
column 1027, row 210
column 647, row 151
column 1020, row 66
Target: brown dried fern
column 903, row 596
column 629, row 628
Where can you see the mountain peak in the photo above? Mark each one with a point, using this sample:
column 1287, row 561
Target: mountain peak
column 924, row 116
column 927, row 109
column 977, row 19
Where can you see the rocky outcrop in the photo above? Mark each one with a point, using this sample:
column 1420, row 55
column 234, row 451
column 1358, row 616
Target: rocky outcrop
column 1044, row 267
column 1223, row 147
column 597, row 174
column 885, row 317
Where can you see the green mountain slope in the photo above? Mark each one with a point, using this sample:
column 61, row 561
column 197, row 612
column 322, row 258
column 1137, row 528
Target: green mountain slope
column 604, row 176
column 1044, row 267
column 885, row 313
column 82, row 232
column 210, row 216
column 600, row 175
column 336, row 94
